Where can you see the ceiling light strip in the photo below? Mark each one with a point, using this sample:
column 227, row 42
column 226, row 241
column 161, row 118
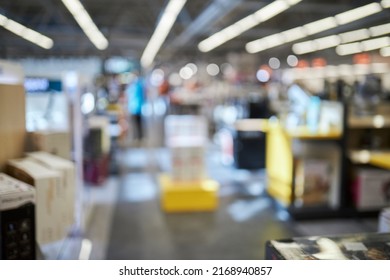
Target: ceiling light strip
column 162, row 30
column 86, row 23
column 318, row 26
column 342, row 38
column 26, row 33
column 363, row 46
column 248, row 22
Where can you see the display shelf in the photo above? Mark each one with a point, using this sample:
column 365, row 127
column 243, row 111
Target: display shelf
column 370, row 122
column 284, row 150
column 367, row 153
column 304, row 133
column 376, row 158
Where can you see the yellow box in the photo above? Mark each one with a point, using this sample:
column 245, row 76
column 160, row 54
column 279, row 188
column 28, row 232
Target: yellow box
column 191, row 196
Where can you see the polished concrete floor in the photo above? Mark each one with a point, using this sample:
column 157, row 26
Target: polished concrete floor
column 127, row 221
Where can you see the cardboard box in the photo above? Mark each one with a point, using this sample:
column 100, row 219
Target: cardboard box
column 55, row 142
column 67, row 194
column 371, row 188
column 12, row 122
column 188, row 162
column 363, row 246
column 47, row 185
column 188, row 196
column 17, row 219
column 185, row 126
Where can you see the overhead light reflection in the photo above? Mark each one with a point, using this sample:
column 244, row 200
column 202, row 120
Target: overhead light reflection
column 26, row 33
column 248, row 22
column 316, row 27
column 162, row 30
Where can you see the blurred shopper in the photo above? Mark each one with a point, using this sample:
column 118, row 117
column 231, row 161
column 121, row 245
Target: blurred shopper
column 136, row 97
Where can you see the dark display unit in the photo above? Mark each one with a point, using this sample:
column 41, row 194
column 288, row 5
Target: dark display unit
column 17, row 220
column 249, row 149
column 17, row 236
column 362, row 246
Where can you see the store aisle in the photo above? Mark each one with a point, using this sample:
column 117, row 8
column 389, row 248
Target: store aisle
column 237, row 230
column 246, row 217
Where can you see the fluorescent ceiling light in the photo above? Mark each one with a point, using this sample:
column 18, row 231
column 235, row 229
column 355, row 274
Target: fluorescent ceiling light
column 304, row 47
column 26, row 33
column 266, row 42
column 86, row 23
column 317, row 44
column 355, row 35
column 248, row 22
column 380, row 30
column 385, row 51
column 385, row 3
column 3, row 19
column 320, row 26
column 374, row 44
column 162, row 30
column 347, row 49
column 367, row 45
column 294, row 34
column 271, row 10
column 342, row 38
column 358, row 13
column 327, row 42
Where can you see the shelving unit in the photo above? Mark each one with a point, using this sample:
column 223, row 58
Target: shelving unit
column 285, row 148
column 368, row 150
column 362, row 142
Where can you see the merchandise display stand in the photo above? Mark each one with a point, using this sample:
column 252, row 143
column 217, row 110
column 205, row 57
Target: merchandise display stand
column 187, row 188
column 368, row 157
column 283, row 152
column 285, row 148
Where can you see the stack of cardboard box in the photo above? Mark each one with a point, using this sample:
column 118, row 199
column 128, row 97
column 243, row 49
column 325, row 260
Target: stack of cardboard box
column 187, row 188
column 54, row 180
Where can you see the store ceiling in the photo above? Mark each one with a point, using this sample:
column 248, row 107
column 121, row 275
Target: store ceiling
column 128, row 25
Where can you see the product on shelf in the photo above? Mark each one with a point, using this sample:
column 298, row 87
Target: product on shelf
column 312, row 182
column 362, row 246
column 186, row 137
column 371, row 188
column 188, row 164
column 17, row 219
column 47, row 185
column 55, row 142
column 185, row 127
column 68, row 187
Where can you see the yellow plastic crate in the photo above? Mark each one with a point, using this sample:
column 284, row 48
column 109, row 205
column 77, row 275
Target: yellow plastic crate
column 191, row 196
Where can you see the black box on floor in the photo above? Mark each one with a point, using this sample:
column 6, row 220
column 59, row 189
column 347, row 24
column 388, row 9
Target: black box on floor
column 362, row 246
column 17, row 219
